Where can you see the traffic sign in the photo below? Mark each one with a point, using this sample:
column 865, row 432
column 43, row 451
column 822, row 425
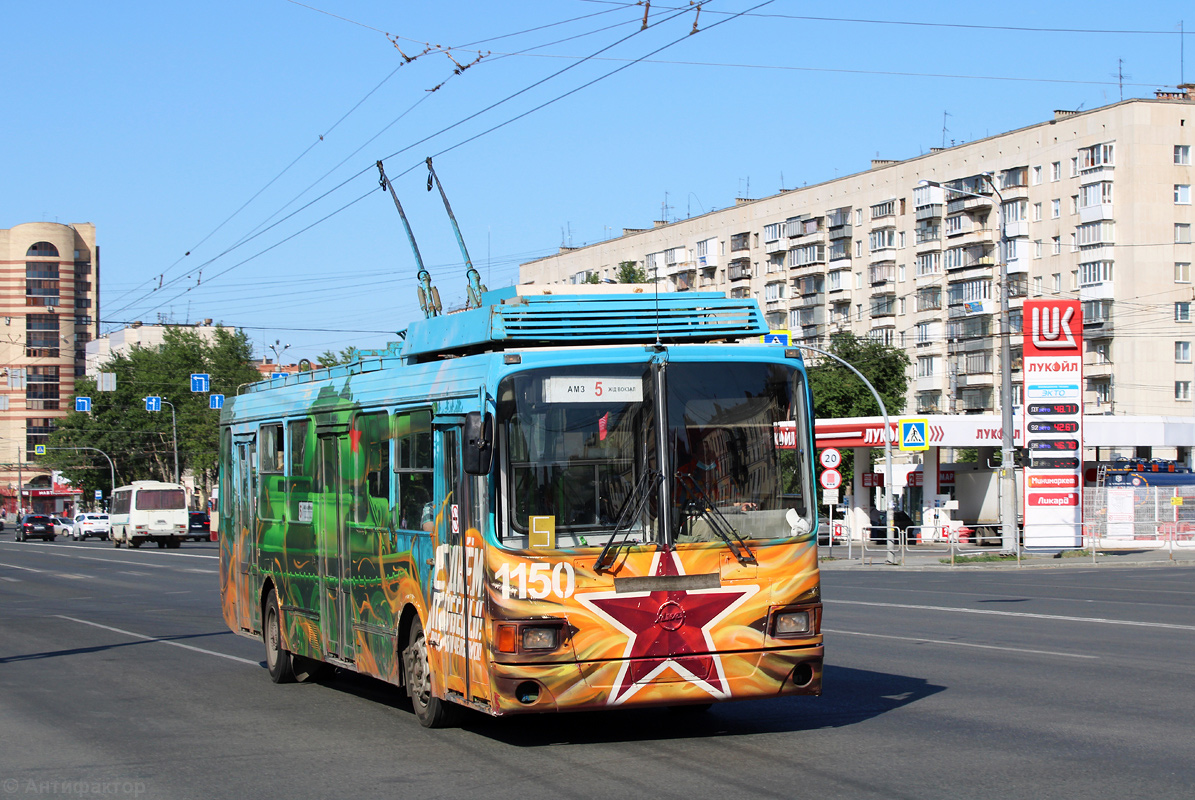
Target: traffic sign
column 830, row 458
column 83, row 404
column 913, row 434
column 830, row 497
column 99, row 494
column 153, row 403
column 777, row 337
column 201, row 382
column 39, row 449
column 215, row 401
column 830, row 479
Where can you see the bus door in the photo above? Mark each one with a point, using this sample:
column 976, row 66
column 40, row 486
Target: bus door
column 457, row 616
column 244, row 528
column 331, row 535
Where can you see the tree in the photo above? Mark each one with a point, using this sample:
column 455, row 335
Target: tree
column 593, row 277
column 838, row 392
column 330, row 359
column 631, row 272
column 140, row 442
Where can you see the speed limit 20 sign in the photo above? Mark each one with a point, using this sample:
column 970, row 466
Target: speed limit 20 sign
column 830, row 458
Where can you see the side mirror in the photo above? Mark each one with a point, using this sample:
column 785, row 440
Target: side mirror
column 478, row 448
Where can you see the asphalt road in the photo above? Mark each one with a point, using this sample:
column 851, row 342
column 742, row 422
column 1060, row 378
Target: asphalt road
column 118, row 678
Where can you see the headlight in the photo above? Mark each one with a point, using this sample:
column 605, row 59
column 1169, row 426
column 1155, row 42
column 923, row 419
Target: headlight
column 540, row 638
column 792, row 623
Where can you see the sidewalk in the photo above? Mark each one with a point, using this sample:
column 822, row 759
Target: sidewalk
column 938, row 559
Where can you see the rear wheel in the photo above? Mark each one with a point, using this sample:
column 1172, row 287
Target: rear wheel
column 278, row 660
column 432, row 712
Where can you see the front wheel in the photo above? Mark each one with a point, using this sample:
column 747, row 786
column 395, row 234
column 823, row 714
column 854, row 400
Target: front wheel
column 432, row 712
column 278, row 660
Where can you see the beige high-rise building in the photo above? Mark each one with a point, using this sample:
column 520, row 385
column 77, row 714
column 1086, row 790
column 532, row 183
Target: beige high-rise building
column 49, row 310
column 1096, row 205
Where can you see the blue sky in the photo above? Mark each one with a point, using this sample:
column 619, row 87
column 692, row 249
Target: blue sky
column 196, row 127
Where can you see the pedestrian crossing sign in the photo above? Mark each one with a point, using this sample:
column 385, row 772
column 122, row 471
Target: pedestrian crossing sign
column 912, row 434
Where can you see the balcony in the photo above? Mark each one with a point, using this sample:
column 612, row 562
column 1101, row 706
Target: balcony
column 739, row 270
column 777, row 246
column 841, row 231
column 929, row 212
column 1096, row 213
column 882, row 273
column 1014, row 229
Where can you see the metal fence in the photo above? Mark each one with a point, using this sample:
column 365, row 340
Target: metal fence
column 1140, row 517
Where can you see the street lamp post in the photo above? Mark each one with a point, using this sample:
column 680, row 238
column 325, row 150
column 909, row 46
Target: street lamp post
column 111, row 466
column 173, row 435
column 888, row 525
column 1008, row 483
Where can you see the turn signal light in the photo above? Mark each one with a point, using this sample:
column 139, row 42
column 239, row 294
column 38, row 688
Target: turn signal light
column 508, row 639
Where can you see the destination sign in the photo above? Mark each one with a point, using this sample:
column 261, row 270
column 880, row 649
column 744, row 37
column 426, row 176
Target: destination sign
column 593, row 390
column 1054, row 444
column 1053, row 427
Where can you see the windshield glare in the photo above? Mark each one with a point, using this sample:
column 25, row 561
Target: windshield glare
column 577, row 443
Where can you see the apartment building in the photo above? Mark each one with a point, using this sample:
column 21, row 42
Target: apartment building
column 49, row 311
column 1094, row 205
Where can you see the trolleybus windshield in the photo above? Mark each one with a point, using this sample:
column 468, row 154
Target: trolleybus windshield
column 577, row 442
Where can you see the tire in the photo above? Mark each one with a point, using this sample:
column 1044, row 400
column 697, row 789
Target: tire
column 432, row 712
column 133, row 543
column 115, row 542
column 21, row 536
column 278, row 660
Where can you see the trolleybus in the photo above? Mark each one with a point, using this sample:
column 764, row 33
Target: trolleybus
column 548, row 502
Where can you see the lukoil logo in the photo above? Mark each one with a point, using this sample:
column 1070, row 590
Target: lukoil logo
column 1048, row 332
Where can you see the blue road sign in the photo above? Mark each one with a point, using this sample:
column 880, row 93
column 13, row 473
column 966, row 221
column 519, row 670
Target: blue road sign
column 83, row 404
column 912, row 434
column 201, row 382
column 99, row 494
column 39, row 449
column 215, row 401
column 776, row 337
column 153, row 404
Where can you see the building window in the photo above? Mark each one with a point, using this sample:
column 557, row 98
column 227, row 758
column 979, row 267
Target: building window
column 1099, row 155
column 1102, row 351
column 1182, row 352
column 1182, row 272
column 43, row 249
column 929, row 299
column 1182, row 194
column 1037, row 286
column 1036, row 175
column 882, row 239
column 924, row 332
column 1182, row 154
column 885, row 209
column 1094, row 194
column 927, row 366
column 1182, row 312
column 1056, row 245
column 1055, row 208
column 1182, row 390
column 1095, row 272
column 1182, row 233
column 1102, row 389
column 1074, row 204
column 1037, row 248
column 1056, row 171
column 1057, row 282
column 1037, row 212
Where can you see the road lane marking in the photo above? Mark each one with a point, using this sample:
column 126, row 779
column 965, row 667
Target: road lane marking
column 921, row 640
column 10, row 580
column 60, row 550
column 160, row 640
column 147, row 564
column 18, row 566
column 1024, row 614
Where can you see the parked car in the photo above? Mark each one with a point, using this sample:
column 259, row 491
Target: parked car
column 36, row 526
column 199, row 526
column 90, row 524
column 62, row 526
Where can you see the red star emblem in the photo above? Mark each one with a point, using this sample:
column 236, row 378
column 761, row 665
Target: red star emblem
column 354, row 439
column 668, row 630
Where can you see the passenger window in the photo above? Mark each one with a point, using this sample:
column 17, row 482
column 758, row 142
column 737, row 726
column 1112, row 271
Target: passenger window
column 413, row 467
column 372, row 484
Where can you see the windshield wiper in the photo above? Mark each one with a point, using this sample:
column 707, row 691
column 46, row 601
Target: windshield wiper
column 718, row 523
column 631, row 509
